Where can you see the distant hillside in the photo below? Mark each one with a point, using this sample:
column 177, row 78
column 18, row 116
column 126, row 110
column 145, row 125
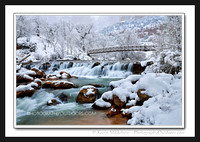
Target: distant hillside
column 145, row 25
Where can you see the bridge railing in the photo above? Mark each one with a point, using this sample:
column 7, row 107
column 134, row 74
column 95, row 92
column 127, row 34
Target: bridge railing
column 122, row 48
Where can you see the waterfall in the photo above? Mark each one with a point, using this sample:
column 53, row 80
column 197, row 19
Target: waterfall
column 114, row 70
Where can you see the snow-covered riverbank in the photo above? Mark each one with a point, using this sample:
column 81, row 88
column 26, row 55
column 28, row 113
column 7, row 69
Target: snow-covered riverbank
column 162, row 107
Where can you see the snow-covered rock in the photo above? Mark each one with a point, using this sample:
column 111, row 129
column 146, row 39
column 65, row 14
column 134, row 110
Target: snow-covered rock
column 101, row 104
column 22, row 77
column 53, row 102
column 87, row 94
column 25, row 90
column 58, row 85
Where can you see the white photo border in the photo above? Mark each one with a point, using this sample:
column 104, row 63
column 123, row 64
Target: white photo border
column 90, row 13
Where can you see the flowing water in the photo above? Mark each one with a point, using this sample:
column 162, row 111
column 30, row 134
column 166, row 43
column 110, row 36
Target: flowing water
column 34, row 110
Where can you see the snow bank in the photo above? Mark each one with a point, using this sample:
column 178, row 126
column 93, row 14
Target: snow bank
column 154, row 84
column 163, row 108
column 129, row 79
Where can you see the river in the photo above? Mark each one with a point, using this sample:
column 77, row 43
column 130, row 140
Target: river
column 34, row 110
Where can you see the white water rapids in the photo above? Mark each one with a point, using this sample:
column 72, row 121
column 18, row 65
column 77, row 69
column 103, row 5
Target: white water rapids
column 116, row 70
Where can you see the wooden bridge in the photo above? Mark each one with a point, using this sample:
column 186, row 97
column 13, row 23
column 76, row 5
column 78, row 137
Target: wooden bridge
column 121, row 49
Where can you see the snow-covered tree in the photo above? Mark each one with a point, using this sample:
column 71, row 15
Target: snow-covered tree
column 22, row 26
column 169, row 42
column 83, row 31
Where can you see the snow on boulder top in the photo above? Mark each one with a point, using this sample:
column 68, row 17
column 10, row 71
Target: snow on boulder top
column 24, row 76
column 58, row 82
column 107, row 95
column 33, row 84
column 121, row 93
column 133, row 77
column 144, row 63
column 102, row 103
column 29, row 72
column 88, row 87
column 37, row 80
column 125, row 82
column 24, row 88
column 89, row 91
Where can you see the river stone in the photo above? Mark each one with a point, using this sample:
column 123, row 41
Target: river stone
column 67, row 74
column 117, row 102
column 25, row 93
column 47, row 84
column 58, row 85
column 21, row 78
column 63, row 85
column 63, row 97
column 54, row 69
column 39, row 82
column 143, row 97
column 113, row 111
column 39, row 73
column 90, row 98
column 137, row 68
column 95, row 64
column 70, row 65
column 52, row 102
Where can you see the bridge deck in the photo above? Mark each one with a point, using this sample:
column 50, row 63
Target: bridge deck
column 120, row 49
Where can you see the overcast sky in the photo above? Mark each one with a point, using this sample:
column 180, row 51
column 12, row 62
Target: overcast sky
column 98, row 21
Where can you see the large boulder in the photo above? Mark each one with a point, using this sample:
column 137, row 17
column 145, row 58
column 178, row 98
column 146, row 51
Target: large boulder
column 65, row 75
column 87, row 94
column 25, row 93
column 70, row 65
column 52, row 77
column 138, row 68
column 47, row 84
column 20, row 78
column 25, row 90
column 117, row 102
column 143, row 97
column 39, row 82
column 39, row 73
column 63, row 85
column 58, row 85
